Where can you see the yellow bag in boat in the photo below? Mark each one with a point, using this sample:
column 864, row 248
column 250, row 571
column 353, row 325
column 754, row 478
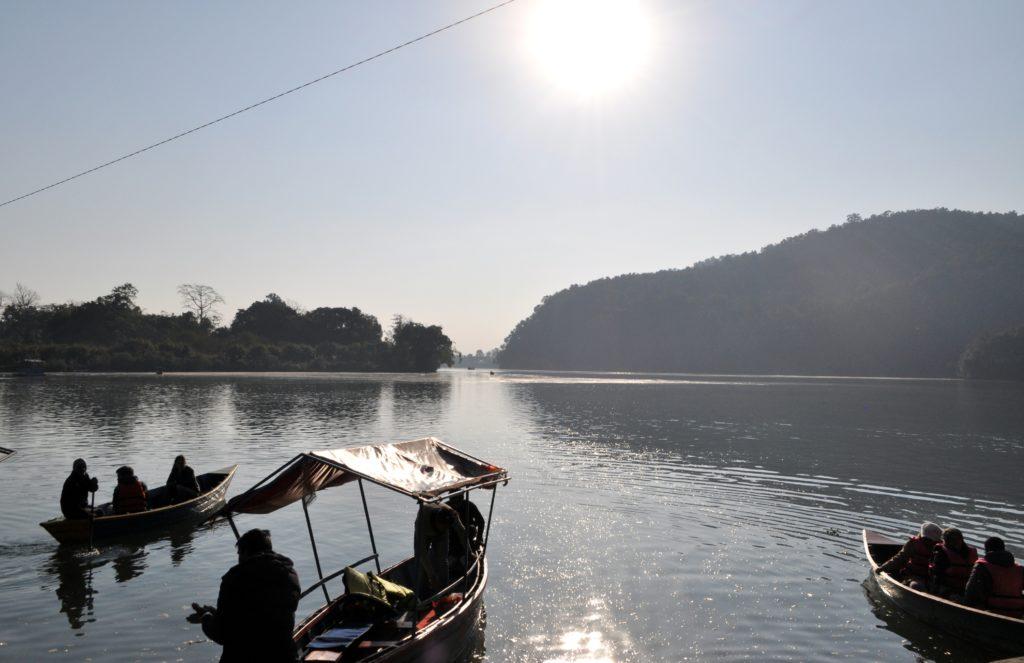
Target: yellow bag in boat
column 400, row 597
column 367, row 584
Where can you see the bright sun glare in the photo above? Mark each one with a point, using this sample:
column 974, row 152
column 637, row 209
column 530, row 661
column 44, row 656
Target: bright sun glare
column 590, row 47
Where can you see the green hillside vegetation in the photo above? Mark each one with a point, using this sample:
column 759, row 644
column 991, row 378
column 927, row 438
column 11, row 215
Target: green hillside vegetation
column 111, row 333
column 897, row 294
column 998, row 356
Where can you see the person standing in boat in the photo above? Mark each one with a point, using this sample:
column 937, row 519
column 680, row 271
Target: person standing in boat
column 951, row 564
column 74, row 496
column 910, row 564
column 255, row 613
column 473, row 521
column 129, row 493
column 435, row 524
column 181, row 482
column 996, row 582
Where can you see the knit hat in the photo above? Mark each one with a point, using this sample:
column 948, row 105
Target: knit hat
column 931, row 531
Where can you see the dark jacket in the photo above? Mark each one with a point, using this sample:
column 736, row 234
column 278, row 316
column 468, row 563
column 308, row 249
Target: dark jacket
column 979, row 585
column 186, row 478
column 255, row 613
column 473, row 521
column 74, row 497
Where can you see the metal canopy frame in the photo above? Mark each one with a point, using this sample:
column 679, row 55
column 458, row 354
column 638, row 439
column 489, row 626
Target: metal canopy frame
column 492, row 481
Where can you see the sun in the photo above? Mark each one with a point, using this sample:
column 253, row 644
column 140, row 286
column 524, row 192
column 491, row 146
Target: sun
column 590, row 48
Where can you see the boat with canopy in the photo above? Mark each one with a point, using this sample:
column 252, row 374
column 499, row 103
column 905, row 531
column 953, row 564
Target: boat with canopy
column 376, row 618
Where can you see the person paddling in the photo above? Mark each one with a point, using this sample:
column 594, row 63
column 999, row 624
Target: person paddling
column 910, row 564
column 74, row 497
column 181, row 483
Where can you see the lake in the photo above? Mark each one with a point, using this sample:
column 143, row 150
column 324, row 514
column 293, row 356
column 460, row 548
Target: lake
column 649, row 517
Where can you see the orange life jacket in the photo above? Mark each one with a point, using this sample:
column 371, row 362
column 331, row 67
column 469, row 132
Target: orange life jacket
column 959, row 569
column 1007, row 588
column 130, row 497
column 920, row 558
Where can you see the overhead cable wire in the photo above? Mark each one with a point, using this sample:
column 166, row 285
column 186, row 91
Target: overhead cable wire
column 261, row 102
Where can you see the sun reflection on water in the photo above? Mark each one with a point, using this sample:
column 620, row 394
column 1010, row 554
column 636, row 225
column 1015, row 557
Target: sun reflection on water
column 584, row 645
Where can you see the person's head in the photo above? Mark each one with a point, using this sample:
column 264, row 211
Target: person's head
column 79, row 465
column 125, row 474
column 931, row 531
column 952, row 537
column 252, row 543
column 994, row 544
column 179, row 461
column 457, row 498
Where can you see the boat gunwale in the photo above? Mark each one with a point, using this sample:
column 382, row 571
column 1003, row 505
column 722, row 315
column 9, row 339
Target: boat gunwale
column 887, row 577
column 228, row 473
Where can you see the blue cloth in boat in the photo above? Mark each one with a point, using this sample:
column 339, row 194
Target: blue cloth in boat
column 339, row 638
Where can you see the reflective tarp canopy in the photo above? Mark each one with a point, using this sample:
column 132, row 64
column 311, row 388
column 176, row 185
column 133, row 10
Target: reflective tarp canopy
column 424, row 469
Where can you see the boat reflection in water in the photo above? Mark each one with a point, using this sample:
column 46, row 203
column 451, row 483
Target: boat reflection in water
column 74, row 569
column 925, row 641
column 73, row 573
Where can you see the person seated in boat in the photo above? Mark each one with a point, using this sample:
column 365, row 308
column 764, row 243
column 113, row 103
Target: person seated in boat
column 910, row 564
column 951, row 564
column 996, row 582
column 473, row 521
column 129, row 493
column 255, row 613
column 435, row 524
column 181, row 483
column 74, row 496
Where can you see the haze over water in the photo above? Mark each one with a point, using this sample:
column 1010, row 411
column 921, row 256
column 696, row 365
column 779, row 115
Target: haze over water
column 649, row 517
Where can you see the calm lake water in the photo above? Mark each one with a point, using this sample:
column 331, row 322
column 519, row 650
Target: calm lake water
column 649, row 518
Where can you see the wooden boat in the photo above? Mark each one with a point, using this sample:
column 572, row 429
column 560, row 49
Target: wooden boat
column 441, row 626
column 986, row 628
column 5, row 454
column 161, row 513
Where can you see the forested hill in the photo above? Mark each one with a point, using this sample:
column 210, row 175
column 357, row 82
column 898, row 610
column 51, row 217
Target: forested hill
column 897, row 294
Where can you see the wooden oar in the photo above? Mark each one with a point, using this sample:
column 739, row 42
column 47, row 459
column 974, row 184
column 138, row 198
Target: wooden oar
column 92, row 524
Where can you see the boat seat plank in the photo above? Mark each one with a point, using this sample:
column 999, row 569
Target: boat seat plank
column 339, row 637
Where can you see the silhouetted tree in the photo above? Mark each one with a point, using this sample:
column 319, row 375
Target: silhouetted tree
column 200, row 300
column 419, row 348
column 271, row 318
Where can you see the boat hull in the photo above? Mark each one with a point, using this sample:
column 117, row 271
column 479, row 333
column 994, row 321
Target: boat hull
column 448, row 638
column 991, row 630
column 194, row 511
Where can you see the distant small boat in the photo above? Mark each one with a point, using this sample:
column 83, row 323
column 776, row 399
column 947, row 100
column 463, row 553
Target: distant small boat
column 30, row 368
column 161, row 512
column 986, row 628
column 471, row 368
column 5, row 454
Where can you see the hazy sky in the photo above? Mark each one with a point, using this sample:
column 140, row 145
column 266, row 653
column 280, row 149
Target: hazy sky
column 460, row 180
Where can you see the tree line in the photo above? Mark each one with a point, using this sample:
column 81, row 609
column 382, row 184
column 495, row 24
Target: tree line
column 112, row 333
column 895, row 294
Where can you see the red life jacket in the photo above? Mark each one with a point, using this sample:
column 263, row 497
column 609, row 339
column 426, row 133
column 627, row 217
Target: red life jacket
column 920, row 558
column 959, row 569
column 130, row 497
column 1007, row 588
